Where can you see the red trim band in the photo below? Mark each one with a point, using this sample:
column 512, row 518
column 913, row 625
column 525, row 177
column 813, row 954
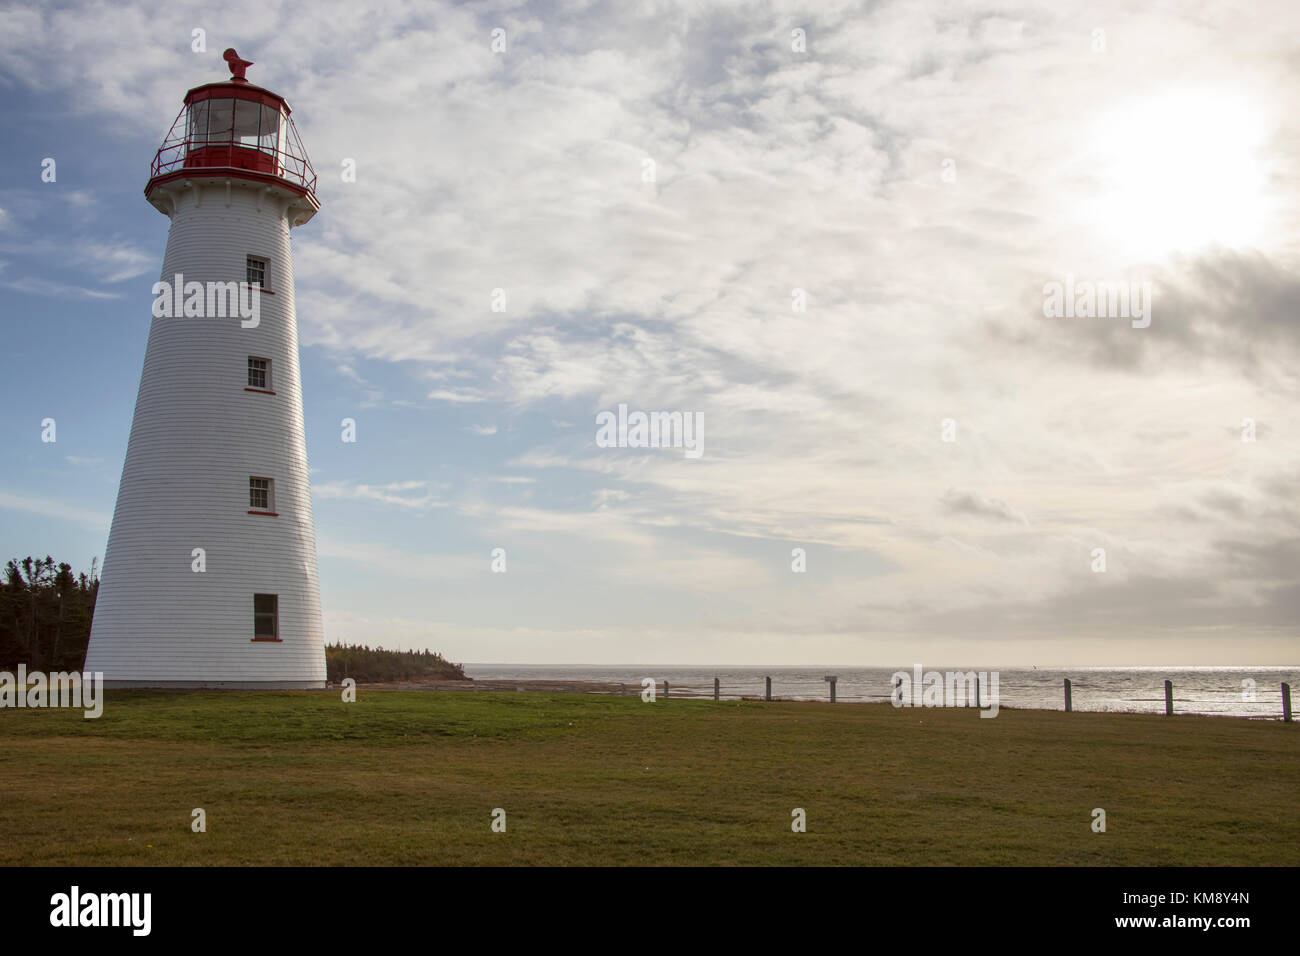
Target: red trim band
column 217, row 173
column 236, row 91
column 269, row 514
column 267, row 640
column 260, row 391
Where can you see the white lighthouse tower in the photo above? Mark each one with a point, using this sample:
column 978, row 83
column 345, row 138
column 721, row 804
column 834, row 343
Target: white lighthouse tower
column 210, row 574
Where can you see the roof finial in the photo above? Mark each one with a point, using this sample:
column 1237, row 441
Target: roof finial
column 237, row 66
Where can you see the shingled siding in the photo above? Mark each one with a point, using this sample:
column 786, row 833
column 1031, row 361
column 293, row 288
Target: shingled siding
column 196, row 438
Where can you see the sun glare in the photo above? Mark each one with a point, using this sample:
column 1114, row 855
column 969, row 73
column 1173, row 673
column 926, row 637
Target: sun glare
column 1180, row 172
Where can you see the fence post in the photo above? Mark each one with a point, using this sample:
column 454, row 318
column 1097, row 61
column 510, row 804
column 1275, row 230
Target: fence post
column 622, row 689
column 715, row 688
column 768, row 695
column 1286, row 702
column 1169, row 698
column 831, row 679
column 665, row 690
column 977, row 690
column 1069, row 702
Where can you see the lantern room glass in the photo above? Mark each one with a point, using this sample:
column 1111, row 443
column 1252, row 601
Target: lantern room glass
column 251, row 133
column 245, row 123
column 197, row 125
column 221, row 115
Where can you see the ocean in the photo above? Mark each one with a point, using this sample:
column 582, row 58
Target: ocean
column 1230, row 691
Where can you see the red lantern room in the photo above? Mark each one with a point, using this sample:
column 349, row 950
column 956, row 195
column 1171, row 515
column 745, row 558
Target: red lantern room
column 234, row 130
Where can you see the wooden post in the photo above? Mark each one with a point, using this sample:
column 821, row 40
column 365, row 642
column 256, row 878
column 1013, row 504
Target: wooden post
column 1069, row 703
column 977, row 690
column 831, row 679
column 622, row 689
column 1169, row 698
column 1286, row 702
column 715, row 688
column 665, row 689
column 768, row 696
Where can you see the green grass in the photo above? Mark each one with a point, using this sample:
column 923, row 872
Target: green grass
column 412, row 778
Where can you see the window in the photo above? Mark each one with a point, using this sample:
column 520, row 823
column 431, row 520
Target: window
column 198, row 132
column 269, row 138
column 221, row 120
column 259, row 373
column 266, row 617
column 248, row 116
column 261, row 495
column 257, row 271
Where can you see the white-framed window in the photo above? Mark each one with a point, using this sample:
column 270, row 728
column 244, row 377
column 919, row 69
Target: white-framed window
column 259, row 373
column 261, row 494
column 259, row 271
column 266, row 617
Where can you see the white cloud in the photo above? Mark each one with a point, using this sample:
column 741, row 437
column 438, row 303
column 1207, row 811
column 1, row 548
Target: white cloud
column 32, row 285
column 457, row 397
column 413, row 495
column 50, row 508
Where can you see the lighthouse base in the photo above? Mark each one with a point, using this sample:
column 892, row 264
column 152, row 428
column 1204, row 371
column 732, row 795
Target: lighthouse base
column 217, row 684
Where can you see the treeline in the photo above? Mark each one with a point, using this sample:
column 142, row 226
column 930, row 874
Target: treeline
column 374, row 664
column 45, row 613
column 46, row 610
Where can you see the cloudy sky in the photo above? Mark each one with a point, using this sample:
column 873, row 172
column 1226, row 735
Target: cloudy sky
column 657, row 188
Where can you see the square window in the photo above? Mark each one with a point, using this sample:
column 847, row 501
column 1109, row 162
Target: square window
column 266, row 617
column 258, row 270
column 259, row 372
column 260, row 494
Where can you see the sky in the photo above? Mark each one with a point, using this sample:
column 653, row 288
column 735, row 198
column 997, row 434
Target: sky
column 828, row 230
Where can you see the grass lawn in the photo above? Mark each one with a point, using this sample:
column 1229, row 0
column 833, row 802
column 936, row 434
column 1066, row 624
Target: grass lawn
column 413, row 777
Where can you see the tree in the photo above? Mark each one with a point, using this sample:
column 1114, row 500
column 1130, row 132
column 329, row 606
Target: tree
column 45, row 614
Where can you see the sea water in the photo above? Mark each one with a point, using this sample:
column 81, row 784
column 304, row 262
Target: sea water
column 1232, row 691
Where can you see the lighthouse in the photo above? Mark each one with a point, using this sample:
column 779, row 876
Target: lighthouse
column 210, row 575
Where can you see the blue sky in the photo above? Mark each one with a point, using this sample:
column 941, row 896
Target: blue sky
column 919, row 171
